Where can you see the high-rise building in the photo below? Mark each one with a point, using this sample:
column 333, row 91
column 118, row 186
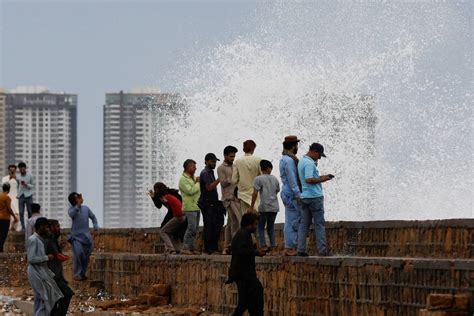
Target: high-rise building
column 39, row 128
column 137, row 153
column 2, row 129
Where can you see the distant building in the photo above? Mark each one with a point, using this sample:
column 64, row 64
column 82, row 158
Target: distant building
column 137, row 153
column 39, row 128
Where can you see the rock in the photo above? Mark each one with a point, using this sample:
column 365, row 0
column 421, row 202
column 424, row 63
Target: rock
column 154, row 300
column 439, row 301
column 160, row 289
column 461, row 302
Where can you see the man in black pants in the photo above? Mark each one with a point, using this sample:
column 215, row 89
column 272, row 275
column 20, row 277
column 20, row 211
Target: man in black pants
column 52, row 247
column 212, row 209
column 242, row 268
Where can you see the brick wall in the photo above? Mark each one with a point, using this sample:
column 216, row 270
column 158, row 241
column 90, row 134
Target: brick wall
column 452, row 238
column 293, row 286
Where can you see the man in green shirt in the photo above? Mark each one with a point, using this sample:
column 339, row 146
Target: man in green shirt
column 190, row 191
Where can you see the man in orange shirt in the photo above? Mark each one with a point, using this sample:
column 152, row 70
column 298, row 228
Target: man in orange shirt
column 5, row 213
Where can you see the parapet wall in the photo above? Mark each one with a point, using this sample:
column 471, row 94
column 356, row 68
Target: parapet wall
column 293, row 286
column 453, row 238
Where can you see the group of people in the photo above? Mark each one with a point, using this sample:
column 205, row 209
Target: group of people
column 249, row 197
column 44, row 253
column 247, row 185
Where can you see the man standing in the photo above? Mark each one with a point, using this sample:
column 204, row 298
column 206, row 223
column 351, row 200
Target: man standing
column 190, row 190
column 80, row 237
column 45, row 289
column 312, row 200
column 242, row 268
column 229, row 198
column 245, row 170
column 30, row 223
column 291, row 193
column 212, row 209
column 5, row 214
column 11, row 179
column 26, row 187
column 52, row 247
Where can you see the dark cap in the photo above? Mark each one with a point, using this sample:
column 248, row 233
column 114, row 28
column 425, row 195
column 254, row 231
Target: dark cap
column 291, row 139
column 211, row 156
column 317, row 148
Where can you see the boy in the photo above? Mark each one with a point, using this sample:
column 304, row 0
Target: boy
column 268, row 187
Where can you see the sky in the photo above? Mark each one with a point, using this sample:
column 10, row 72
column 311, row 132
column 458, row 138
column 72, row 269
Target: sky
column 90, row 48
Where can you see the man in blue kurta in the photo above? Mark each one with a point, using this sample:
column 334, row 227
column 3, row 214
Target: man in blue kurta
column 47, row 293
column 291, row 193
column 80, row 237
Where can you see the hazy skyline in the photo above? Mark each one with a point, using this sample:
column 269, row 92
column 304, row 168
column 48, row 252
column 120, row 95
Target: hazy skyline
column 90, row 48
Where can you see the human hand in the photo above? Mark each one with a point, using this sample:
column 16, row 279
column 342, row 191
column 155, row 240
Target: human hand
column 262, row 252
column 151, row 193
column 298, row 200
column 196, row 179
column 50, row 257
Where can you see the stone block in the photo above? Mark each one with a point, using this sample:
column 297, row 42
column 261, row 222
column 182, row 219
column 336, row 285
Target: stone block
column 154, row 300
column 160, row 289
column 461, row 302
column 439, row 301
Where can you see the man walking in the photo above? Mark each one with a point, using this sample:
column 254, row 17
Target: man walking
column 80, row 237
column 11, row 179
column 190, row 191
column 291, row 193
column 242, row 268
column 212, row 209
column 312, row 200
column 245, row 170
column 26, row 187
column 46, row 291
column 52, row 247
column 229, row 198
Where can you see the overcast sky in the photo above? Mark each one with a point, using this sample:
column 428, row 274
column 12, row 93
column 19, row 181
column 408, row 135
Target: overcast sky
column 90, row 48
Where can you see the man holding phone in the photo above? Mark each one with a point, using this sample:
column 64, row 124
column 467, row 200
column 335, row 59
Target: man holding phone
column 26, row 187
column 312, row 200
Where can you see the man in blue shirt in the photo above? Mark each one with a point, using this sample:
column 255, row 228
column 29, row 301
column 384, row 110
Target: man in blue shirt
column 312, row 200
column 26, row 187
column 291, row 193
column 80, row 237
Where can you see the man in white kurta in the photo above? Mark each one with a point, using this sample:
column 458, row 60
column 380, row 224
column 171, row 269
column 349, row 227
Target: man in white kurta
column 46, row 291
column 11, row 179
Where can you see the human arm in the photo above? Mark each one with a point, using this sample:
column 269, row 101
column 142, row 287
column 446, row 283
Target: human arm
column 73, row 211
column 207, row 179
column 30, row 184
column 292, row 177
column 222, row 177
column 9, row 209
column 243, row 246
column 321, row 179
column 94, row 219
column 32, row 253
column 254, row 198
column 189, row 186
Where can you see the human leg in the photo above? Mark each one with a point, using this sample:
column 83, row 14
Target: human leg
column 306, row 220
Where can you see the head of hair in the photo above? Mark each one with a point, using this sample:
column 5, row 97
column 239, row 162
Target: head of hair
column 35, row 208
column 230, row 150
column 53, row 222
column 41, row 221
column 249, row 146
column 160, row 189
column 72, row 198
column 11, row 166
column 265, row 164
column 22, row 165
column 289, row 145
column 187, row 162
column 248, row 219
column 6, row 187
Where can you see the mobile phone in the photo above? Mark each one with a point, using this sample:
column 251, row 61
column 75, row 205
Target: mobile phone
column 330, row 176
